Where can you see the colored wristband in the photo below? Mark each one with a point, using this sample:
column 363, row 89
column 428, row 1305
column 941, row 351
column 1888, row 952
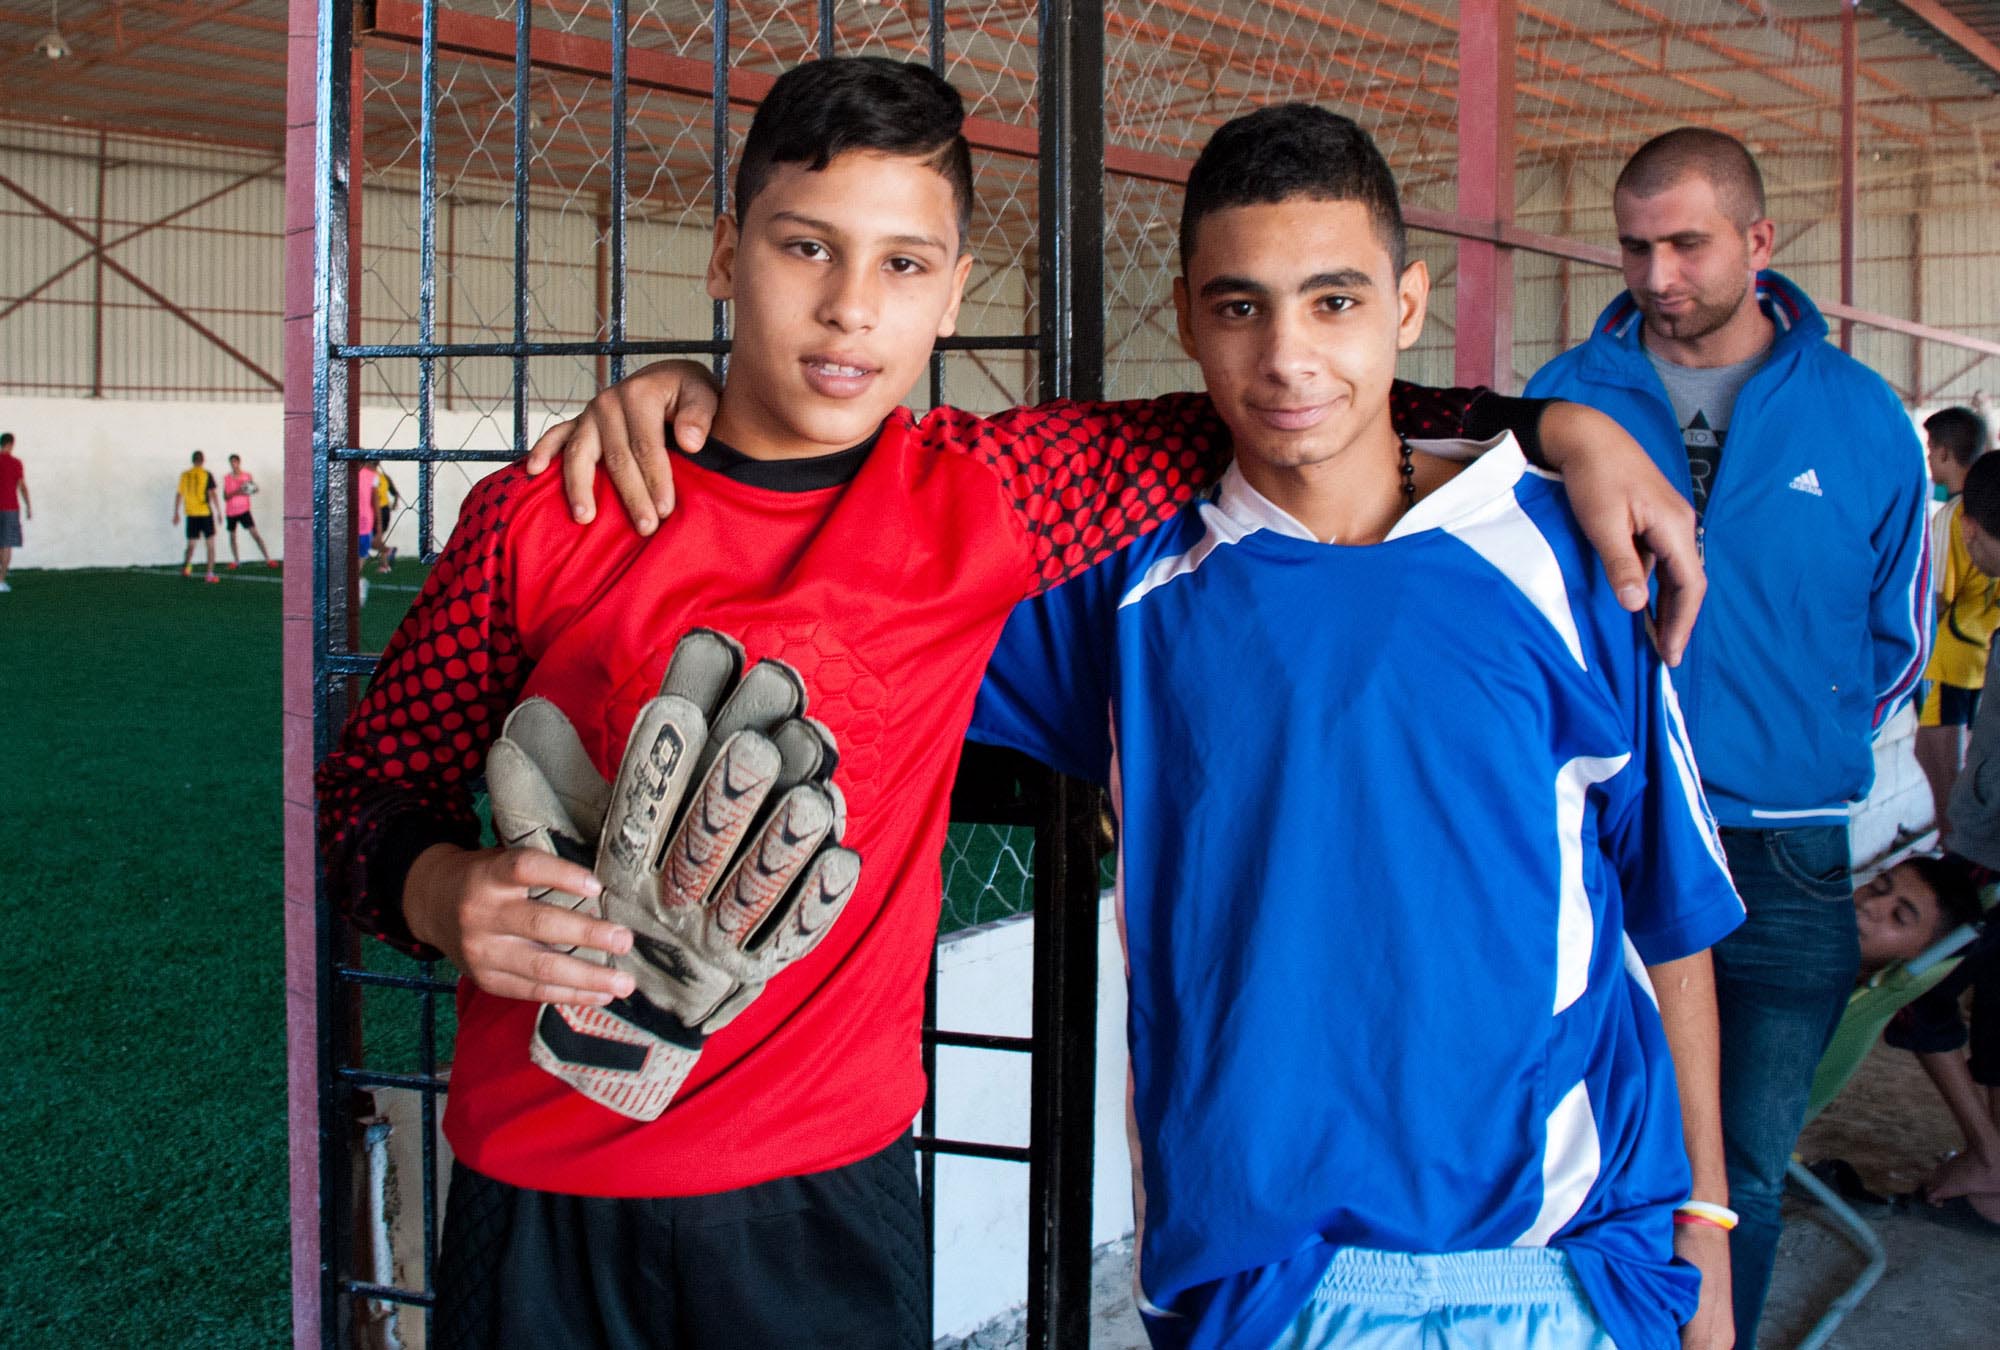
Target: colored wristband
column 1702, row 1212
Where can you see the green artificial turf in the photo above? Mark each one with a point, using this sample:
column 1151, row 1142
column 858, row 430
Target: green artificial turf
column 144, row 1197
column 143, row 1015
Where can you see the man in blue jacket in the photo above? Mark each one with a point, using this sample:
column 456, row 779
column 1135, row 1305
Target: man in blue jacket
column 1808, row 479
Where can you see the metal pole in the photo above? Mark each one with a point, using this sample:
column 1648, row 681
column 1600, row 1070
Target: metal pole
column 1849, row 147
column 97, row 285
column 524, row 94
column 621, row 32
column 320, row 168
column 1484, row 342
column 719, row 151
column 1062, row 1127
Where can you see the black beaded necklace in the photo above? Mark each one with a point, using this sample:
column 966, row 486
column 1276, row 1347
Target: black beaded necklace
column 1409, row 477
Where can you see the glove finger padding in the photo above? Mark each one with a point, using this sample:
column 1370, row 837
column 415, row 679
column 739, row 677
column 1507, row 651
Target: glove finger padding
column 720, row 851
column 544, row 791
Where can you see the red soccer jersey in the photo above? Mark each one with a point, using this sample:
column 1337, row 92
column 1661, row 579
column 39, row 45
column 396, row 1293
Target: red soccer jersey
column 887, row 591
column 11, row 474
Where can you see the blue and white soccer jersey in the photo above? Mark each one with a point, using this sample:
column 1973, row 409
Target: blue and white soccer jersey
column 1402, row 826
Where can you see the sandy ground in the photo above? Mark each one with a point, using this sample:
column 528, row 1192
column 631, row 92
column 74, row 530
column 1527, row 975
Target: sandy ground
column 1941, row 1290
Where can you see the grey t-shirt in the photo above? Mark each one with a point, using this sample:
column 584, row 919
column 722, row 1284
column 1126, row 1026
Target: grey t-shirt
column 1974, row 808
column 1704, row 399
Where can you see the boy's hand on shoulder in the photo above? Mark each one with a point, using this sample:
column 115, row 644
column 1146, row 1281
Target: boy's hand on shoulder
column 1635, row 519
column 1713, row 1326
column 474, row 905
column 623, row 431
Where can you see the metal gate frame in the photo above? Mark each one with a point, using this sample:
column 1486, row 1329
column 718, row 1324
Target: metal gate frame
column 323, row 667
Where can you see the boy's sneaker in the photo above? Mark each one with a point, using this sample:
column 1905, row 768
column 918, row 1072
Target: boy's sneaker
column 212, row 579
column 4, row 588
column 232, row 567
column 188, row 571
column 271, row 562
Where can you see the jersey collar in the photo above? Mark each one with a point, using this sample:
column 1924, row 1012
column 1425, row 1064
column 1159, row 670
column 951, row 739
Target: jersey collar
column 785, row 475
column 1494, row 467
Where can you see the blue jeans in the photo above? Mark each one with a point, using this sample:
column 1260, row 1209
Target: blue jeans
column 1782, row 981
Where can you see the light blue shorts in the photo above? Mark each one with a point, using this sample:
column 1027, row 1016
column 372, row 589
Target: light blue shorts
column 1523, row 1298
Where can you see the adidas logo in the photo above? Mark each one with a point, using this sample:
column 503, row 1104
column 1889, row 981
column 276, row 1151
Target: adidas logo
column 1807, row 482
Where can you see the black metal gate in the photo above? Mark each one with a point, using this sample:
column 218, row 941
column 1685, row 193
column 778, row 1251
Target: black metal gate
column 365, row 1028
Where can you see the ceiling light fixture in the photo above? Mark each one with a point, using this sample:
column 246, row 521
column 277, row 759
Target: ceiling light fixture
column 53, row 44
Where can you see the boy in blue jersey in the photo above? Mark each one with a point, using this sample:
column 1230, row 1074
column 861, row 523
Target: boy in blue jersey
column 1407, row 819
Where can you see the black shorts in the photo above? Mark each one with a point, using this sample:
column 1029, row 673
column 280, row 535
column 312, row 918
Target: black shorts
column 241, row 518
column 1948, row 705
column 1933, row 1024
column 832, row 1259
column 201, row 527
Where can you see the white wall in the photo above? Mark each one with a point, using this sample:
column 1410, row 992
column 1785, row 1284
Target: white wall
column 1898, row 807
column 101, row 472
column 986, row 984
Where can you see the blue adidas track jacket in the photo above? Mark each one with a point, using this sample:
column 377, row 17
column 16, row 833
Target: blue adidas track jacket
column 1818, row 616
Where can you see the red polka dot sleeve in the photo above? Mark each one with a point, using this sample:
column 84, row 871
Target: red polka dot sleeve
column 400, row 780
column 1088, row 478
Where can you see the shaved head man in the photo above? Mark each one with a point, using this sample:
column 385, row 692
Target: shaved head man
column 1809, row 482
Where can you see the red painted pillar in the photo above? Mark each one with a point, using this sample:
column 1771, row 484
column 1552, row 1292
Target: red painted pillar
column 301, row 957
column 303, row 307
column 1849, row 163
column 1484, row 352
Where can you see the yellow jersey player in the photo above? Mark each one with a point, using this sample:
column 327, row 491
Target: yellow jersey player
column 195, row 497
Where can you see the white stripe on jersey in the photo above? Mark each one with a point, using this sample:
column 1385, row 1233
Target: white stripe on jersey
column 1570, row 1162
column 1220, row 530
column 1635, row 966
column 1576, row 930
column 1682, row 751
column 1499, row 531
column 1841, row 812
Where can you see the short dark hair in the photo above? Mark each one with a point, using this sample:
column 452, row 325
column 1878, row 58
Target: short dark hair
column 1287, row 151
column 195, row 458
column 822, row 109
column 1960, row 433
column 236, row 459
column 1957, row 895
column 1688, row 152
column 1982, row 493
column 6, row 438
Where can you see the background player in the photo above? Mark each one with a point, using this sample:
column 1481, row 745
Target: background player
column 1968, row 610
column 14, row 502
column 1396, row 780
column 195, row 496
column 365, row 480
column 386, row 499
column 238, row 487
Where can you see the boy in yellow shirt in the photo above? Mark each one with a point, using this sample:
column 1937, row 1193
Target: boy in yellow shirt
column 195, row 495
column 1967, row 613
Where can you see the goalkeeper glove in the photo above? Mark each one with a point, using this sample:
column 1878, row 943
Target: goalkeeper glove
column 717, row 845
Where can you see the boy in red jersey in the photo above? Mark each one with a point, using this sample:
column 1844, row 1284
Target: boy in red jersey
column 773, row 1202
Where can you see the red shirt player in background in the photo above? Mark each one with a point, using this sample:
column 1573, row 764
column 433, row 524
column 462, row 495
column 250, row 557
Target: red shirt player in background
column 14, row 500
column 774, row 1201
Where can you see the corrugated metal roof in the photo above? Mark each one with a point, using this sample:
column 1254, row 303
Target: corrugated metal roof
column 1593, row 76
